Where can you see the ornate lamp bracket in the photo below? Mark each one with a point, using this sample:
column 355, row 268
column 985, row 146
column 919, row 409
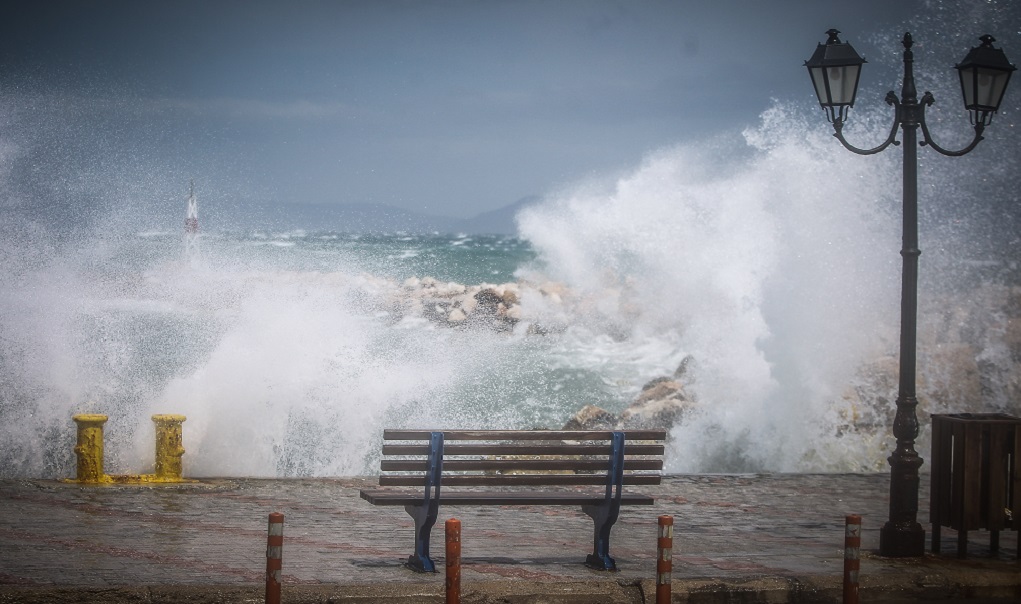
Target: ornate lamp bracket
column 927, row 100
column 891, row 99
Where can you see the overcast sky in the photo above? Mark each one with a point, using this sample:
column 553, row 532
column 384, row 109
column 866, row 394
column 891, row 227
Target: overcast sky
column 450, row 108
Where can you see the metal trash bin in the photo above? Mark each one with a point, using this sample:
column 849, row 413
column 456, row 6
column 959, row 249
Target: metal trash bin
column 976, row 479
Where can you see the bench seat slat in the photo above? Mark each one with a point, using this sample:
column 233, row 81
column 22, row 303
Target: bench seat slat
column 523, row 434
column 459, row 465
column 505, row 449
column 389, row 497
column 481, row 480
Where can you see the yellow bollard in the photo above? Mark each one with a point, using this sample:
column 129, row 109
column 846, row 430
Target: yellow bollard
column 89, row 449
column 169, row 447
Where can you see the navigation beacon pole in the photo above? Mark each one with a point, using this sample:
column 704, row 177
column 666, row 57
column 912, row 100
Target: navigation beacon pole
column 191, row 229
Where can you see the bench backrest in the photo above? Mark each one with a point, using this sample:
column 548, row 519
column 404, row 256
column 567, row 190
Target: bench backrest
column 521, row 457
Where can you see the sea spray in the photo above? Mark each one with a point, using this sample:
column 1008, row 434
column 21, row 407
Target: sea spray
column 767, row 269
column 298, row 384
column 770, row 258
column 290, row 363
column 281, row 370
column 773, row 263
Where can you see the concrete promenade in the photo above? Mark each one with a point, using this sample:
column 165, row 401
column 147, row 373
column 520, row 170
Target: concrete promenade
column 738, row 538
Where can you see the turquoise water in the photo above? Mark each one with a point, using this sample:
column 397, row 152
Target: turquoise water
column 459, row 258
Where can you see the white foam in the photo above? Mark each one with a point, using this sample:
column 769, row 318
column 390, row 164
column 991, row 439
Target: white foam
column 771, row 270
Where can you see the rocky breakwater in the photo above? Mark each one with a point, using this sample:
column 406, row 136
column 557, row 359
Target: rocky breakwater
column 969, row 361
column 497, row 307
column 534, row 309
column 969, row 350
column 662, row 403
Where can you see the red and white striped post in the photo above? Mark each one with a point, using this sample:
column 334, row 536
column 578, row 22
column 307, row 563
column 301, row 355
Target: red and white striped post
column 453, row 531
column 274, row 565
column 852, row 560
column 664, row 559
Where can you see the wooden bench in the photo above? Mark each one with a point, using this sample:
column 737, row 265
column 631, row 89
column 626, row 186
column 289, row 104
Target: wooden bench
column 503, row 467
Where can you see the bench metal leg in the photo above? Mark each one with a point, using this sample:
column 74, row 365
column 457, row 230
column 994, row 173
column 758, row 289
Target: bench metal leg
column 603, row 516
column 425, row 518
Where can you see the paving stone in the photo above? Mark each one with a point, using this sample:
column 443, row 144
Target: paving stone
column 768, row 533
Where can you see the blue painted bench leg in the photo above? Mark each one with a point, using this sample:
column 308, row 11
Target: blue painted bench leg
column 603, row 516
column 425, row 518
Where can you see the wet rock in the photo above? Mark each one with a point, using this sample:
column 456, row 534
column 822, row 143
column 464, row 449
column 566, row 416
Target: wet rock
column 488, row 298
column 538, row 329
column 591, row 417
column 496, row 307
column 467, row 303
column 450, row 290
column 655, row 413
column 513, row 313
column 682, row 369
column 661, row 389
column 511, row 294
column 661, row 404
column 655, row 382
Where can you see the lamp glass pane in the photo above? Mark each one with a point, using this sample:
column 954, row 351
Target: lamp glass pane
column 968, row 86
column 842, row 83
column 991, row 84
column 983, row 87
column 819, row 81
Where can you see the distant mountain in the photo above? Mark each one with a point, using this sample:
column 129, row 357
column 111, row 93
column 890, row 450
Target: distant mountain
column 499, row 221
column 355, row 218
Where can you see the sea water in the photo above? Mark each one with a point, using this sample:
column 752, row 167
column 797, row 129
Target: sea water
column 767, row 255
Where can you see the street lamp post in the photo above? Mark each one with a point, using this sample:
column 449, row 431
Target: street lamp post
column 835, row 68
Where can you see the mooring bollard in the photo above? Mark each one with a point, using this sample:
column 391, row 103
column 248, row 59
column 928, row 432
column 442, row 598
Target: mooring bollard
column 169, row 447
column 274, row 564
column 89, row 449
column 852, row 559
column 664, row 559
column 453, row 530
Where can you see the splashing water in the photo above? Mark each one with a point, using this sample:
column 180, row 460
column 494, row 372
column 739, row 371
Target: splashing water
column 770, row 257
column 775, row 268
column 759, row 268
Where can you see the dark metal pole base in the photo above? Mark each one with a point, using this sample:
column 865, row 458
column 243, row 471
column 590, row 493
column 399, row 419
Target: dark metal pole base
column 600, row 562
column 896, row 541
column 421, row 564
